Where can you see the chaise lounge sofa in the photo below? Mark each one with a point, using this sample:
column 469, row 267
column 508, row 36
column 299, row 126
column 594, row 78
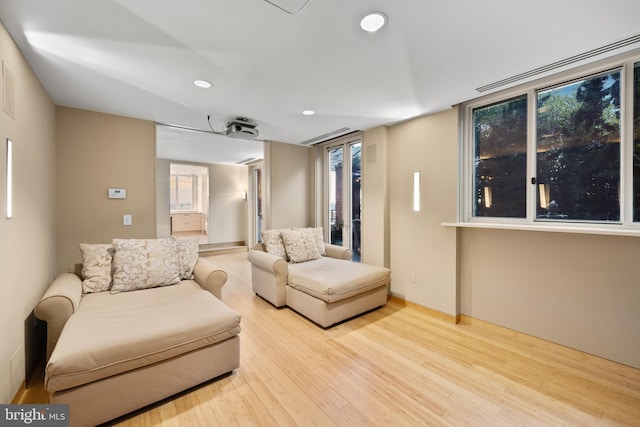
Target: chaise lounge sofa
column 138, row 321
column 295, row 268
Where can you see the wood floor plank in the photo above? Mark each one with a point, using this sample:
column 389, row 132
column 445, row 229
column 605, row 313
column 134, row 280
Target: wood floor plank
column 401, row 365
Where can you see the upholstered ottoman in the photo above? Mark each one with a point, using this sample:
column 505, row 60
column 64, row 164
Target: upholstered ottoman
column 329, row 290
column 325, row 286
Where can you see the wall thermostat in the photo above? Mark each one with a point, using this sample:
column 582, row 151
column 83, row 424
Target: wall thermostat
column 117, row 193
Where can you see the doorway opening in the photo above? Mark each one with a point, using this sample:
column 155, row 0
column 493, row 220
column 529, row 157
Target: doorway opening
column 189, row 201
column 257, row 213
column 345, row 196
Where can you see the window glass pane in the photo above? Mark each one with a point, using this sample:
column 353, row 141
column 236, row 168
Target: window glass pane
column 578, row 150
column 636, row 142
column 500, row 159
column 173, row 193
column 185, row 192
column 336, row 218
column 182, row 192
column 356, row 200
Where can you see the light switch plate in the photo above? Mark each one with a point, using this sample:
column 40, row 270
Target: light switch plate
column 126, row 220
column 117, row 193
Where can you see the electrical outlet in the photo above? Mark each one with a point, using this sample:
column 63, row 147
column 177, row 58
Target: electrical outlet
column 412, row 277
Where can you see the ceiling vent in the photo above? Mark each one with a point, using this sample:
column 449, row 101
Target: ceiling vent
column 326, row 136
column 247, row 161
column 241, row 128
column 562, row 63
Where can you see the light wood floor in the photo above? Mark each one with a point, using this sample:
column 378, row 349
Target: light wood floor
column 396, row 366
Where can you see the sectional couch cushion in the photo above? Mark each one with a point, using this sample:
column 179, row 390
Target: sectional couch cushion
column 115, row 333
column 332, row 280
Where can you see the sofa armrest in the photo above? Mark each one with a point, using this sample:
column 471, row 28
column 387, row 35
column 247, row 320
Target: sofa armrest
column 269, row 274
column 339, row 252
column 210, row 277
column 57, row 304
column 268, row 262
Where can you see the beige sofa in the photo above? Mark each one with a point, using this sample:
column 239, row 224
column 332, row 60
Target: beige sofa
column 326, row 287
column 112, row 352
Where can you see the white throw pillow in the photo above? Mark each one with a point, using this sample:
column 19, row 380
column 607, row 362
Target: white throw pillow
column 187, row 253
column 300, row 245
column 144, row 263
column 318, row 233
column 273, row 243
column 96, row 267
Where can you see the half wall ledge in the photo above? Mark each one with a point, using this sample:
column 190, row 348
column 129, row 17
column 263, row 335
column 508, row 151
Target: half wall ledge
column 609, row 230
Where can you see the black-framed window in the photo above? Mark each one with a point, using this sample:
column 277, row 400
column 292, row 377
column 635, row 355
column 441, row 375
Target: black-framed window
column 636, row 142
column 500, row 159
column 578, row 150
column 560, row 151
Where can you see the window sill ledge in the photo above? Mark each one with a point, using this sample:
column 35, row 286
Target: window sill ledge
column 612, row 230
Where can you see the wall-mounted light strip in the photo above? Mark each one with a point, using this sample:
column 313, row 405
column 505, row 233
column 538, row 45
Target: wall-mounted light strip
column 9, row 181
column 416, row 191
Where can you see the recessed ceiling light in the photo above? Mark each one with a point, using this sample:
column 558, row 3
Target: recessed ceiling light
column 373, row 22
column 202, row 83
column 308, row 112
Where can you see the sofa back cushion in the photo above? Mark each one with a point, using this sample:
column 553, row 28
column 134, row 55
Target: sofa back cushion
column 144, row 263
column 96, row 267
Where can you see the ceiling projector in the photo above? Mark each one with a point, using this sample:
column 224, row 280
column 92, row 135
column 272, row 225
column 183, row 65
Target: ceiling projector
column 241, row 128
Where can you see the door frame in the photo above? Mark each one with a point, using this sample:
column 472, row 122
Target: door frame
column 322, row 155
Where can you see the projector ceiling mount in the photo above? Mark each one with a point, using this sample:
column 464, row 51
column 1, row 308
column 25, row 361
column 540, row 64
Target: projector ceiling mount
column 237, row 128
column 241, row 128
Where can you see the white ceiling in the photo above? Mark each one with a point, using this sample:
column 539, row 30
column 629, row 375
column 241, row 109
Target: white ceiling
column 139, row 58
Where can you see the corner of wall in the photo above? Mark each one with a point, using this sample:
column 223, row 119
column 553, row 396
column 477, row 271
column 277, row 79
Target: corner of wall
column 375, row 189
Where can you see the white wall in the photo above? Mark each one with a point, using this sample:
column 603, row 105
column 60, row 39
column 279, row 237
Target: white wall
column 227, row 208
column 375, row 197
column 419, row 244
column 163, row 198
column 27, row 241
column 289, row 185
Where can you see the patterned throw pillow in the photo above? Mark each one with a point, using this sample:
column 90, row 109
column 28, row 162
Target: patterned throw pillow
column 96, row 267
column 273, row 243
column 187, row 253
column 318, row 233
column 144, row 263
column 300, row 245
